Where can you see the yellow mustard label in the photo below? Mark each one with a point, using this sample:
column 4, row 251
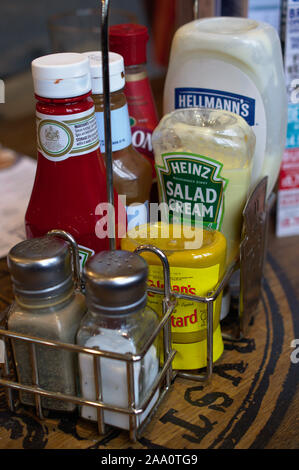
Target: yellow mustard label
column 189, row 319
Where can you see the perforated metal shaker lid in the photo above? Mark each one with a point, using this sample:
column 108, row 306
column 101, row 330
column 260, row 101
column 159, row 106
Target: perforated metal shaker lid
column 41, row 267
column 116, row 282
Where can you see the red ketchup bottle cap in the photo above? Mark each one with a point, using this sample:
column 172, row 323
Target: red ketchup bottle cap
column 129, row 40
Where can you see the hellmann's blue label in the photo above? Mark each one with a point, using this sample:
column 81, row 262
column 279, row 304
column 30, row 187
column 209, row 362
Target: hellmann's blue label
column 215, row 99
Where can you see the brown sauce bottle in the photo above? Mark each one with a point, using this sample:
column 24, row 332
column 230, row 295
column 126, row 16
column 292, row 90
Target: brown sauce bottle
column 132, row 172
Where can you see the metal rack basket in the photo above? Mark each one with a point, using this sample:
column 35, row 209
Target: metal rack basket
column 161, row 383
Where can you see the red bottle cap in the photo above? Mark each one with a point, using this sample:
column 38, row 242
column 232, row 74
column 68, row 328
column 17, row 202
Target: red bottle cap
column 129, row 40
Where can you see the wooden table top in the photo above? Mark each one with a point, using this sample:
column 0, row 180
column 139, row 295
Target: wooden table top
column 251, row 402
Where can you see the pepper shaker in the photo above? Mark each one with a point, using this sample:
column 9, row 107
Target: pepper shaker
column 47, row 306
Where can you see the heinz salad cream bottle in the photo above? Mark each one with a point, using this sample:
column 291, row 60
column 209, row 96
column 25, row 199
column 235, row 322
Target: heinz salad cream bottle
column 204, row 165
column 234, row 64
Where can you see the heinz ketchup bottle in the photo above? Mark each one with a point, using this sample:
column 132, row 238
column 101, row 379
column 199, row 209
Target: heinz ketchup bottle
column 70, row 182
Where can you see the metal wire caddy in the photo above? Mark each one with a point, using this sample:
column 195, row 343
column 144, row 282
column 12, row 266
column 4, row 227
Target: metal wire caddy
column 162, row 382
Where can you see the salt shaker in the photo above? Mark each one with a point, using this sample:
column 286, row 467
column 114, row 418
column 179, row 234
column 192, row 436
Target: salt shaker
column 47, row 306
column 118, row 320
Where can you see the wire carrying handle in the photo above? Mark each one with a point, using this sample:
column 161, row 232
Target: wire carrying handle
column 75, row 253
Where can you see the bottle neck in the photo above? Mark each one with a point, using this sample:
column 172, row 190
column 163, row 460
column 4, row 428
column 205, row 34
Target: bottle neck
column 120, row 121
column 117, row 100
column 112, row 321
column 135, row 73
column 61, row 106
column 62, row 100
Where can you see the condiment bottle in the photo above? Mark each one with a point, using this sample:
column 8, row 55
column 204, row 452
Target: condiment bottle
column 197, row 263
column 46, row 306
column 118, row 320
column 234, row 64
column 132, row 174
column 70, row 182
column 204, row 164
column 129, row 40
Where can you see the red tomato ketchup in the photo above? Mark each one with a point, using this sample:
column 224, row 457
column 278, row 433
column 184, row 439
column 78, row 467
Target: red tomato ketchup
column 70, row 182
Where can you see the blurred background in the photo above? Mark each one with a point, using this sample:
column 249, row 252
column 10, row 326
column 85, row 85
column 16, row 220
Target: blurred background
column 31, row 28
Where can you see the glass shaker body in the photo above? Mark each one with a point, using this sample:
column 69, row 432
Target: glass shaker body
column 122, row 334
column 57, row 369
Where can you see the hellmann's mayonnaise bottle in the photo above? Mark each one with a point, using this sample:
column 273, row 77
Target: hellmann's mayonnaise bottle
column 234, row 64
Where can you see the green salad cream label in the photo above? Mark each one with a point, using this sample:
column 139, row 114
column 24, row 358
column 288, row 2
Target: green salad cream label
column 84, row 254
column 192, row 187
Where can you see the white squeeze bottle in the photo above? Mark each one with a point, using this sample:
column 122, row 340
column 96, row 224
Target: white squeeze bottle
column 234, row 64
